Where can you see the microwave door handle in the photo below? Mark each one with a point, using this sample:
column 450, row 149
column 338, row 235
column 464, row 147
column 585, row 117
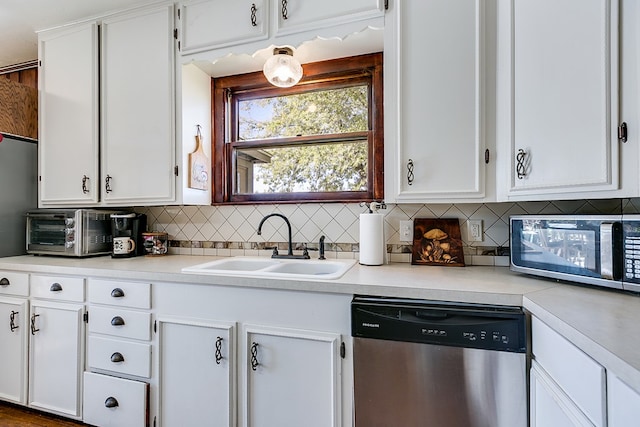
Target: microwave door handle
column 607, row 240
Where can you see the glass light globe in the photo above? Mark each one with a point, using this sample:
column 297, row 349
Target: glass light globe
column 282, row 69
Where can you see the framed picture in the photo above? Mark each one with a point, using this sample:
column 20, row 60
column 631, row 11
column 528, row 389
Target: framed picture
column 437, row 242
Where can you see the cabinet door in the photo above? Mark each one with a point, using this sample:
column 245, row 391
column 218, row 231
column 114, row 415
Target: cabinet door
column 294, row 16
column 56, row 357
column 561, row 116
column 623, row 403
column 550, row 406
column 68, row 116
column 434, row 97
column 137, row 115
column 292, row 378
column 197, row 373
column 13, row 357
column 211, row 24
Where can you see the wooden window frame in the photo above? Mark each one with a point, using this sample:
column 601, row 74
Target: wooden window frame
column 322, row 74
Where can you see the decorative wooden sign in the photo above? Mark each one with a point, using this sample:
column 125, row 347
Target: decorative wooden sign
column 437, row 242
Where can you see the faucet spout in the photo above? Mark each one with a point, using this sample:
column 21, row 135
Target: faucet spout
column 290, row 251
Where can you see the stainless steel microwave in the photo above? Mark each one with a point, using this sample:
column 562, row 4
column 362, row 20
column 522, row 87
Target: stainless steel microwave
column 69, row 232
column 601, row 250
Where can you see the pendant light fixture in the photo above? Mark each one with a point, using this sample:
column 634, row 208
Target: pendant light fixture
column 282, row 69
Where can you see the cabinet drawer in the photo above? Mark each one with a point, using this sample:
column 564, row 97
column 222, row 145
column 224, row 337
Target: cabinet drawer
column 58, row 288
column 120, row 322
column 12, row 283
column 124, row 294
column 125, row 357
column 111, row 401
column 579, row 376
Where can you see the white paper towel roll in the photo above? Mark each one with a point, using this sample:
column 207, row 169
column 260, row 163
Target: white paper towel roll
column 372, row 244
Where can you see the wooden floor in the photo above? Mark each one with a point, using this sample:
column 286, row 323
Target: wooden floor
column 19, row 416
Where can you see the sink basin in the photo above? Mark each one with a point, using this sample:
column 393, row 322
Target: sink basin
column 272, row 267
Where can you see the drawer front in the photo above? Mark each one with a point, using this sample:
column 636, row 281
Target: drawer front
column 111, row 401
column 120, row 322
column 123, row 294
column 124, row 357
column 60, row 288
column 12, row 283
column 578, row 375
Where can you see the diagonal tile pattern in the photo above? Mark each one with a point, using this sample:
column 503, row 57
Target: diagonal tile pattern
column 211, row 227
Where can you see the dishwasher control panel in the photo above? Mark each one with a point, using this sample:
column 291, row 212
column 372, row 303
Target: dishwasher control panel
column 441, row 323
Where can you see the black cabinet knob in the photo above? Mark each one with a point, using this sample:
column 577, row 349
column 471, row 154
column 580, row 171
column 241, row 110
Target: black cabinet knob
column 117, row 321
column 111, row 402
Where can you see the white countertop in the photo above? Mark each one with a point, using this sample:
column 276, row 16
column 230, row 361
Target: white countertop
column 601, row 322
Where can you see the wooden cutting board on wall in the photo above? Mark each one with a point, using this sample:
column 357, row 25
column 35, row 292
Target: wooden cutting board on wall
column 198, row 167
column 18, row 109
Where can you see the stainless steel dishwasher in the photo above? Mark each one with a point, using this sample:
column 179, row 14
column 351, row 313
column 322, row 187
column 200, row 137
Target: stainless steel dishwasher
column 422, row 363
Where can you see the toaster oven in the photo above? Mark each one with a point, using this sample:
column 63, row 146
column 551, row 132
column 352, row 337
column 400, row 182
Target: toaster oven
column 69, row 232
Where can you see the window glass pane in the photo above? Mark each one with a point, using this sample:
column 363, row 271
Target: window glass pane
column 313, row 113
column 320, row 167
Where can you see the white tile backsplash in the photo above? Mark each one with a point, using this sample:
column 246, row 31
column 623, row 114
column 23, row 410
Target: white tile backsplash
column 217, row 226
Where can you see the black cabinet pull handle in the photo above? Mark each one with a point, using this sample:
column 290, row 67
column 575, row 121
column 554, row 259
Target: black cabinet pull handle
column 117, row 357
column 410, row 175
column 4, row 282
column 254, row 356
column 107, row 184
column 12, row 320
column 33, row 324
column 117, row 293
column 521, row 169
column 56, row 287
column 218, row 350
column 254, row 21
column 285, row 13
column 111, row 402
column 85, row 190
column 117, row 321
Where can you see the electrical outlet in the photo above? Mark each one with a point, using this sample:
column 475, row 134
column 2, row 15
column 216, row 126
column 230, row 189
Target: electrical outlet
column 406, row 231
column 475, row 232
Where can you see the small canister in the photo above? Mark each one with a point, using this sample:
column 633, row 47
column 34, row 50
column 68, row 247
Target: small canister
column 155, row 243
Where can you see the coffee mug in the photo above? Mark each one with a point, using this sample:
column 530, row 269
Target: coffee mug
column 123, row 245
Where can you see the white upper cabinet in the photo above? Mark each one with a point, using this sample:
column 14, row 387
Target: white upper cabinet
column 210, row 24
column 212, row 29
column 137, row 114
column 434, row 101
column 107, row 111
column 295, row 16
column 558, row 98
column 68, row 116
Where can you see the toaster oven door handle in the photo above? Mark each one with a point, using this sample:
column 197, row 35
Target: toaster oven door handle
column 610, row 242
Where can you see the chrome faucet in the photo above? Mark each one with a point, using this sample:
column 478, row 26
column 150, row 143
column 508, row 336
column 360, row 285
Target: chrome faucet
column 305, row 254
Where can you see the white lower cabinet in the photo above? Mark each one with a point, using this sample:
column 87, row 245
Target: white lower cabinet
column 116, row 388
column 291, row 377
column 623, row 403
column 550, row 405
column 197, row 372
column 286, row 368
column 13, row 357
column 56, row 357
column 114, row 402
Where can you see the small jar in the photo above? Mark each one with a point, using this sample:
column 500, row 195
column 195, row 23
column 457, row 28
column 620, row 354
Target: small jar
column 155, row 243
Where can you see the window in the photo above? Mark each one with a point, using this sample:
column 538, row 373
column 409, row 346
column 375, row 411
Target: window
column 321, row 140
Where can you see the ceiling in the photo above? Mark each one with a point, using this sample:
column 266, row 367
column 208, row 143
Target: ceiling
column 20, row 19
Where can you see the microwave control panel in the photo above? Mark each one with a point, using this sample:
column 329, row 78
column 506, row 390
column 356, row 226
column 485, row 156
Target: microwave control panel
column 631, row 251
